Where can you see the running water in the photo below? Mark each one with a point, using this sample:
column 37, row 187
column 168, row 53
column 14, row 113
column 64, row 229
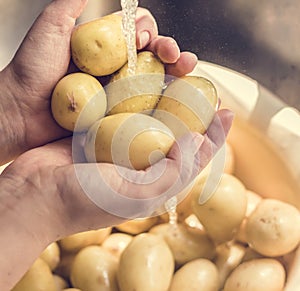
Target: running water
column 170, row 207
column 129, row 8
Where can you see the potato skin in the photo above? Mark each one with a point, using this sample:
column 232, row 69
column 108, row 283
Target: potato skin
column 78, row 95
column 98, row 47
column 139, row 92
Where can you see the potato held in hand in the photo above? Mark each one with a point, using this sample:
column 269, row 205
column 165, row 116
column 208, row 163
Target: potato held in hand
column 78, row 100
column 187, row 104
column 139, row 92
column 131, row 140
column 98, row 47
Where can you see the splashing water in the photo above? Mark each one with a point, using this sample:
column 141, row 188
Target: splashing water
column 129, row 8
column 170, row 207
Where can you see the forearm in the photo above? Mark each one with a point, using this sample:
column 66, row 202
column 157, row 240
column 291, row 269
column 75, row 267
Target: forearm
column 11, row 124
column 23, row 232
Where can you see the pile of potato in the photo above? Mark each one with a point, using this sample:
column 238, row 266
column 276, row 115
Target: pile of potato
column 236, row 240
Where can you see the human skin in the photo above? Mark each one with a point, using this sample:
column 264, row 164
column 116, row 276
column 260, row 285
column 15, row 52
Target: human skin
column 41, row 199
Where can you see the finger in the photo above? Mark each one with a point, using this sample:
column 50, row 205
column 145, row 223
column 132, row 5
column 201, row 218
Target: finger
column 146, row 28
column 166, row 48
column 215, row 137
column 185, row 64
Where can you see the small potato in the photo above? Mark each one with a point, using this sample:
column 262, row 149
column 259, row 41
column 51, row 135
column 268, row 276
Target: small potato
column 273, row 229
column 186, row 243
column 60, row 282
column 98, row 47
column 139, row 92
column 253, row 200
column 37, row 278
column 196, row 275
column 138, row 225
column 187, row 104
column 222, row 214
column 146, row 264
column 77, row 241
column 94, row 269
column 257, row 275
column 131, row 140
column 116, row 243
column 51, row 255
column 78, row 100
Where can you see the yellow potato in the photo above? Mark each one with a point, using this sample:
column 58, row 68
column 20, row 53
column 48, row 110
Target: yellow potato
column 37, row 278
column 132, row 140
column 60, row 282
column 229, row 256
column 146, row 264
column 137, row 226
column 78, row 100
column 94, row 269
column 196, row 275
column 137, row 93
column 51, row 255
column 257, row 275
column 186, row 243
column 77, row 241
column 98, row 47
column 222, row 214
column 116, row 243
column 187, row 104
column 273, row 228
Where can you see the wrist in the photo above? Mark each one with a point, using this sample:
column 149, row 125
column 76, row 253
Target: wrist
column 23, row 227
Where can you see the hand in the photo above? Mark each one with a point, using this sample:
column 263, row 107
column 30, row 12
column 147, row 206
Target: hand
column 44, row 58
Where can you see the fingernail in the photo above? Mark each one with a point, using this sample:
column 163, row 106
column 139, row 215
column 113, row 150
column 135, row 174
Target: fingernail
column 143, row 39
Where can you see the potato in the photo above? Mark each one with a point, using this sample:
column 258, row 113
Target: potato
column 253, row 200
column 51, row 255
column 137, row 226
column 273, row 228
column 77, row 241
column 146, row 264
column 37, row 278
column 78, row 100
column 187, row 104
column 222, row 214
column 229, row 256
column 116, row 243
column 257, row 275
column 131, row 140
column 60, row 282
column 94, row 269
column 137, row 93
column 98, row 47
column 186, row 243
column 196, row 275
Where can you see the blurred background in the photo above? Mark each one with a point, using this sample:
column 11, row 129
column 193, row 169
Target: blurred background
column 259, row 38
